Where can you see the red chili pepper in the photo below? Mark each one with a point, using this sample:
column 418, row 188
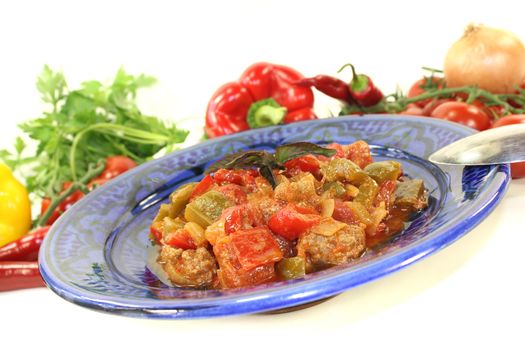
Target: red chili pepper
column 25, row 248
column 19, row 275
column 330, row 86
column 115, row 166
column 363, row 89
column 264, row 95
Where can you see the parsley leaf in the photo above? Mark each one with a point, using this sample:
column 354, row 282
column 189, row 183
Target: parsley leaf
column 83, row 127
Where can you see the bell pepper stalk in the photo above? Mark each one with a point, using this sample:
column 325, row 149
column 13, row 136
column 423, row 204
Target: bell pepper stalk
column 362, row 89
column 15, row 208
column 265, row 113
column 229, row 108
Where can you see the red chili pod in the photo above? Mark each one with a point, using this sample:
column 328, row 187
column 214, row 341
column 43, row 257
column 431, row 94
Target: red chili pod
column 330, row 86
column 26, row 247
column 363, row 89
column 19, row 275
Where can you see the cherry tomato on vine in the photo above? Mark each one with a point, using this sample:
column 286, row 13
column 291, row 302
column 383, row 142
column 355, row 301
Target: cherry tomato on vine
column 433, row 104
column 509, row 120
column 419, row 87
column 517, row 169
column 463, row 113
column 412, row 109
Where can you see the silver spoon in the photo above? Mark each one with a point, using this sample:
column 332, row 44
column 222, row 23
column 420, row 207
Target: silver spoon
column 501, row 145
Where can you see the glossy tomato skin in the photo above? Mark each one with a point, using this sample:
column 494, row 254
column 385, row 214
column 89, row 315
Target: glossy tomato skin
column 418, row 88
column 463, row 113
column 412, row 109
column 509, row 120
column 517, row 169
column 433, row 104
column 115, row 166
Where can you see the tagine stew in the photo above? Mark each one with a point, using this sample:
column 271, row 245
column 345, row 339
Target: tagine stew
column 234, row 229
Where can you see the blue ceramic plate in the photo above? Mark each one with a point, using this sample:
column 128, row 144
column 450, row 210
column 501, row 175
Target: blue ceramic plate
column 98, row 254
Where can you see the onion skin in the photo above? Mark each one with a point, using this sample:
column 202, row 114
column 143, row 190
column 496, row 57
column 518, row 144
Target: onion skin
column 489, row 58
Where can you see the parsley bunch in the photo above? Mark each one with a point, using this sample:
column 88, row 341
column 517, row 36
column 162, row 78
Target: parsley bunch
column 85, row 126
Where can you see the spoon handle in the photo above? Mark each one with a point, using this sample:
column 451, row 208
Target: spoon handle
column 501, row 145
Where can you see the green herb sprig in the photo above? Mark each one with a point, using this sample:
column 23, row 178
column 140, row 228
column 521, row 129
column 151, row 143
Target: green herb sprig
column 82, row 127
column 266, row 162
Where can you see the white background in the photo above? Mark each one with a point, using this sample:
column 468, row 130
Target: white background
column 468, row 295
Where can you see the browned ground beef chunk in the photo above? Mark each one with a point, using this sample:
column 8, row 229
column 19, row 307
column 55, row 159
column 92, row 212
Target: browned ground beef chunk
column 324, row 251
column 190, row 267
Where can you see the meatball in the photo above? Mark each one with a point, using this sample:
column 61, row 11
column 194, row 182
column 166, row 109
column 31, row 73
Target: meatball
column 321, row 251
column 188, row 268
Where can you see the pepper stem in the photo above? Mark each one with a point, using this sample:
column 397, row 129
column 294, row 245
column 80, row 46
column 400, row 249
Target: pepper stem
column 265, row 113
column 359, row 82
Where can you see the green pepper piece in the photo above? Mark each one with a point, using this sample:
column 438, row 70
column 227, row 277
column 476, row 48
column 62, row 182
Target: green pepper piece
column 291, row 268
column 410, row 194
column 368, row 189
column 336, row 188
column 179, row 198
column 206, row 209
column 383, row 171
column 341, row 169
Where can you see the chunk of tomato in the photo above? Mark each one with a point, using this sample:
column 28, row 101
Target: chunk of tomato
column 359, row 153
column 255, row 247
column 291, row 221
column 234, row 193
column 241, row 217
column 236, row 176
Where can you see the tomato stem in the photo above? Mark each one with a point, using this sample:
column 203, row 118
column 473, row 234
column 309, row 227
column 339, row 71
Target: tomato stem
column 77, row 185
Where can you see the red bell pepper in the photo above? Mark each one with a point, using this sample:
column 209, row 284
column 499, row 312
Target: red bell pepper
column 265, row 94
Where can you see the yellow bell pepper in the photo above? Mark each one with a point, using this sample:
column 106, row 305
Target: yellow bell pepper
column 15, row 208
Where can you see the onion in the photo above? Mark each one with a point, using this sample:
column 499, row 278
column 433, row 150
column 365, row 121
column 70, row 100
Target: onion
column 489, row 58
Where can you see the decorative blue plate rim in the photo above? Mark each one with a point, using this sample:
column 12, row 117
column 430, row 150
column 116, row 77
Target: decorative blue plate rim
column 53, row 254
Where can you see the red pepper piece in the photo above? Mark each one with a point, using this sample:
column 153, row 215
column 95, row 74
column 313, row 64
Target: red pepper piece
column 255, row 247
column 239, row 177
column 180, row 239
column 291, row 221
column 231, row 104
column 362, row 89
column 359, row 153
column 307, row 163
column 233, row 192
column 19, row 275
column 25, row 248
column 156, row 231
column 202, row 186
